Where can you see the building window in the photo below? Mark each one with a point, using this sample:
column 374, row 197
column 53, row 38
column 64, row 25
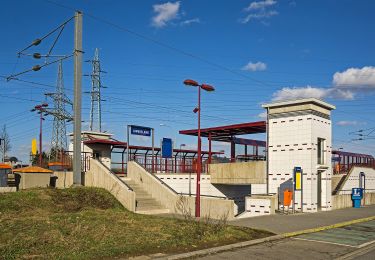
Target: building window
column 321, row 151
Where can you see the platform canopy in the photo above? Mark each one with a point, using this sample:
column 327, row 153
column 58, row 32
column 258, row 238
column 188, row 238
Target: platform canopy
column 227, row 132
column 136, row 149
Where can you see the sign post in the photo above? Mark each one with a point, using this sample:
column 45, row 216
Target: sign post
column 297, row 184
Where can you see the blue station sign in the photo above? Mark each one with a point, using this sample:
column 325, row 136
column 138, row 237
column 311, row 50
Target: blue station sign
column 140, row 130
column 167, row 148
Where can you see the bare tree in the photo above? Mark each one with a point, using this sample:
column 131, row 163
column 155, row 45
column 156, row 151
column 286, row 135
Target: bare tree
column 5, row 142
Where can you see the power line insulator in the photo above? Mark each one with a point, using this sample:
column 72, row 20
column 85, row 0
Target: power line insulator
column 36, row 42
column 37, row 55
column 36, row 68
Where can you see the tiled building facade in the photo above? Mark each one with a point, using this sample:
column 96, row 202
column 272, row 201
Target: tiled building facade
column 300, row 135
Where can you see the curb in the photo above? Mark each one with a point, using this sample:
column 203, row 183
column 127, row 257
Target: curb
column 218, row 249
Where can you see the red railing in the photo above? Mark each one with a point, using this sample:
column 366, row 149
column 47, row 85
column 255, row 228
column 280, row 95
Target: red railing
column 344, row 168
column 168, row 165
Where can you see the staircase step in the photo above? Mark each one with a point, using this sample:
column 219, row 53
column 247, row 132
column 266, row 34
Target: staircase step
column 146, row 204
column 153, row 211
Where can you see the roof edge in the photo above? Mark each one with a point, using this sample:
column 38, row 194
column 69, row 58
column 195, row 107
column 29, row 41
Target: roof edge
column 299, row 101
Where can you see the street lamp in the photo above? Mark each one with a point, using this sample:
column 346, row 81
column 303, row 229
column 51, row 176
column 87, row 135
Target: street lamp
column 41, row 109
column 193, row 83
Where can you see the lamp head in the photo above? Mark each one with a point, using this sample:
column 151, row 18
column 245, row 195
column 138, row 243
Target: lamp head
column 190, row 82
column 207, row 87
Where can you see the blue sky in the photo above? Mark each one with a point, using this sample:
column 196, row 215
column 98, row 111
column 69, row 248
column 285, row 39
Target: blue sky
column 251, row 51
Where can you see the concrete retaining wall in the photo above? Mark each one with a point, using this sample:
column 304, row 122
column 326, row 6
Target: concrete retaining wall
column 345, row 200
column 238, row 173
column 99, row 176
column 259, row 205
column 213, row 207
column 64, row 179
column 352, row 180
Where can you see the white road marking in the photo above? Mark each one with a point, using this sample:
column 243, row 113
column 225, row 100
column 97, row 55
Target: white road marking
column 311, row 240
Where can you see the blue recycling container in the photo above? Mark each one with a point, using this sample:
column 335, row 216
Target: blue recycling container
column 357, row 195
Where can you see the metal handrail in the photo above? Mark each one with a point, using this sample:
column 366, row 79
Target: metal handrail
column 110, row 171
column 158, row 179
column 210, row 196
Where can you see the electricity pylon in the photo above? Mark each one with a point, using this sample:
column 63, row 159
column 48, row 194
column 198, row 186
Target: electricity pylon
column 60, row 114
column 96, row 100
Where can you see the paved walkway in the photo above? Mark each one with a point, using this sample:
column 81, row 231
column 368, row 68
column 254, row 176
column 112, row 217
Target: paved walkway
column 280, row 224
column 350, row 242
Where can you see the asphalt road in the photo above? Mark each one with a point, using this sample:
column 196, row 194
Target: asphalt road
column 356, row 241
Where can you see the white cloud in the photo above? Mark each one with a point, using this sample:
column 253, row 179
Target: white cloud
column 345, row 85
column 263, row 115
column 259, row 10
column 257, row 16
column 190, row 21
column 165, row 13
column 300, row 92
column 260, row 5
column 355, row 78
column 257, row 66
column 349, row 123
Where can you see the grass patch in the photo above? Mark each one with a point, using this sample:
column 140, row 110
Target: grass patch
column 87, row 223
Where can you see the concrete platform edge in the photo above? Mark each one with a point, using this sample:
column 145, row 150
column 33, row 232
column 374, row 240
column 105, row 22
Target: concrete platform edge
column 218, row 249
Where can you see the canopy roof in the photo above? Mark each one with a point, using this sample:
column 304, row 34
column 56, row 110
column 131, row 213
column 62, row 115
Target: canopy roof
column 32, row 169
column 5, row 166
column 136, row 149
column 227, row 132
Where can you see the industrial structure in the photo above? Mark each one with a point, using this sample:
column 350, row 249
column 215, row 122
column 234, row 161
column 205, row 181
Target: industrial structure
column 95, row 94
column 61, row 116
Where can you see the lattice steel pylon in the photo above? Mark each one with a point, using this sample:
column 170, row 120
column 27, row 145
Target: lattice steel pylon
column 96, row 100
column 60, row 114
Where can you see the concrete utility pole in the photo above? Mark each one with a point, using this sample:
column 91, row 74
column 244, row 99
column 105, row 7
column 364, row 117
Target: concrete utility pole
column 77, row 98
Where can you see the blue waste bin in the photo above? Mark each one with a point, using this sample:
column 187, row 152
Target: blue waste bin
column 357, row 195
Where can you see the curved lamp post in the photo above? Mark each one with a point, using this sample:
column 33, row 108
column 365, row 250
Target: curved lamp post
column 193, row 83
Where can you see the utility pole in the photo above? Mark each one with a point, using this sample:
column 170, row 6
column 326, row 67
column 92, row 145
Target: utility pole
column 2, row 142
column 58, row 141
column 96, row 100
column 41, row 109
column 77, row 98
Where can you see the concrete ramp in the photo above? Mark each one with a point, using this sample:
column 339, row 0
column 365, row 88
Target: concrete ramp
column 253, row 172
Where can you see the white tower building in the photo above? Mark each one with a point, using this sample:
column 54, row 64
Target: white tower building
column 300, row 135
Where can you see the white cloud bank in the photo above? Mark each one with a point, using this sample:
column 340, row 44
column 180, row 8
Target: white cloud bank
column 345, row 85
column 259, row 10
column 255, row 66
column 354, row 77
column 165, row 13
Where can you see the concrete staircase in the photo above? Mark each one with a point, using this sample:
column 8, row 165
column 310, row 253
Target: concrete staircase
column 145, row 203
